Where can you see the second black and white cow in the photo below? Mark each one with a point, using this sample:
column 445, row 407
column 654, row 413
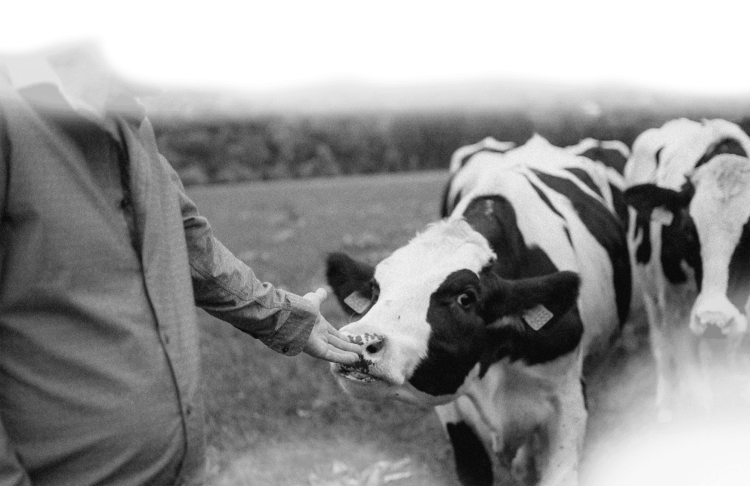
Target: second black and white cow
column 690, row 185
column 489, row 314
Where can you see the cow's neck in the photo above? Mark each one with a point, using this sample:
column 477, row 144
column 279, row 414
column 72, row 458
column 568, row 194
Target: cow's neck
column 530, row 397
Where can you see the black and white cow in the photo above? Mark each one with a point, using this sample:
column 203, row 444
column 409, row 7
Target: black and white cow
column 690, row 185
column 489, row 314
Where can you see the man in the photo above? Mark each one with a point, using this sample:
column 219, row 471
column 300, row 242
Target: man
column 102, row 260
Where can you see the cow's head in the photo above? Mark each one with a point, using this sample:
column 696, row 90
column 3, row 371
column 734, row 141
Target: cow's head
column 705, row 226
column 435, row 313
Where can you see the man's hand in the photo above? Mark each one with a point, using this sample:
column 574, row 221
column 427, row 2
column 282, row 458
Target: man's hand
column 325, row 341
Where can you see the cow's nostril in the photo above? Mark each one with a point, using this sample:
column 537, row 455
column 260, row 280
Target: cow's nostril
column 374, row 348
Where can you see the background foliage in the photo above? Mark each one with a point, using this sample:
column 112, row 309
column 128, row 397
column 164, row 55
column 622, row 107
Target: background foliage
column 244, row 142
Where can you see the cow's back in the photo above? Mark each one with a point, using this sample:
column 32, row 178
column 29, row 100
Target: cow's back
column 486, row 149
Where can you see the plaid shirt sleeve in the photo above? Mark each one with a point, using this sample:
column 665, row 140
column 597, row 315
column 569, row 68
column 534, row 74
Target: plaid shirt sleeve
column 228, row 289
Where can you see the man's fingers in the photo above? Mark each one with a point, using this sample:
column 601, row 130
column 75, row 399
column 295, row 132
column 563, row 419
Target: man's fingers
column 321, row 294
column 317, row 297
column 344, row 344
column 341, row 357
column 341, row 340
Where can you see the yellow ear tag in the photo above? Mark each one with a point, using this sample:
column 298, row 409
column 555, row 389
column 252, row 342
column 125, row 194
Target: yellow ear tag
column 537, row 317
column 357, row 302
column 662, row 216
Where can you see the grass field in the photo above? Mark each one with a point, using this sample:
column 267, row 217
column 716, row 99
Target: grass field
column 275, row 420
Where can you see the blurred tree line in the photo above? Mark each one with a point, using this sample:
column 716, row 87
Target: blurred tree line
column 319, row 145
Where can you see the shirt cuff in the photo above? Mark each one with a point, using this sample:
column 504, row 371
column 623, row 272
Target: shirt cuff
column 293, row 327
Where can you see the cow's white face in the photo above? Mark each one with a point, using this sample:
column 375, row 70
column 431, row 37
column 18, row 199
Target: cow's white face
column 721, row 210
column 707, row 230
column 430, row 305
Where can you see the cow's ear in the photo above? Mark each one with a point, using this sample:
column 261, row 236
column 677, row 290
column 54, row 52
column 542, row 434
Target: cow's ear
column 537, row 300
column 351, row 282
column 647, row 197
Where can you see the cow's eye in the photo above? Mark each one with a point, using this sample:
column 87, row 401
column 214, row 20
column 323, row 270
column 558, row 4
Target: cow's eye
column 466, row 299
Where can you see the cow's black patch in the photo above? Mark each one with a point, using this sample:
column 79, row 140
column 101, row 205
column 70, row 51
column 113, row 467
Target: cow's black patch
column 610, row 157
column 608, row 230
column 584, row 177
column 643, row 223
column 724, row 146
column 516, row 340
column 621, row 207
column 473, row 464
column 643, row 227
column 461, row 337
column 679, row 239
column 545, row 199
column 680, row 243
column 457, row 339
column 495, row 218
column 739, row 271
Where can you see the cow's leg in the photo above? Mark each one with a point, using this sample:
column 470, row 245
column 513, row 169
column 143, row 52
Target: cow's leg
column 561, row 451
column 704, row 358
column 694, row 363
column 734, row 345
column 461, row 423
column 666, row 381
column 524, row 469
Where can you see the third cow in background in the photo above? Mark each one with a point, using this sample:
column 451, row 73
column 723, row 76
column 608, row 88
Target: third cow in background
column 689, row 183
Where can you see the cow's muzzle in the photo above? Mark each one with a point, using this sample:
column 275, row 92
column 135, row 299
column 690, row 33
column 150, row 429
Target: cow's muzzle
column 359, row 371
column 717, row 319
column 372, row 346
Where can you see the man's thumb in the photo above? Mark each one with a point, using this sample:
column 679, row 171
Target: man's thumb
column 317, row 297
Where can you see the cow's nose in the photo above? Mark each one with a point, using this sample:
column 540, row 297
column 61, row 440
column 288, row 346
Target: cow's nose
column 714, row 319
column 372, row 344
column 374, row 347
column 713, row 324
